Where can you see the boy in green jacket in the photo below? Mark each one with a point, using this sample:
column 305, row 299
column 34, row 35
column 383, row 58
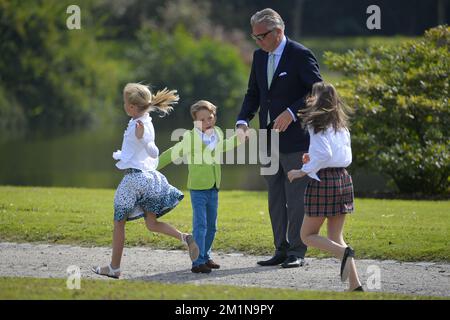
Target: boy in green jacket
column 202, row 147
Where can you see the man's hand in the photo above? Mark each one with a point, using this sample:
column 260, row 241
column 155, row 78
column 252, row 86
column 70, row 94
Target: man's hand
column 139, row 129
column 241, row 132
column 283, row 121
column 295, row 174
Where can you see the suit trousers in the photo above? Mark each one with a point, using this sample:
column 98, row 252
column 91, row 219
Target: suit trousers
column 286, row 205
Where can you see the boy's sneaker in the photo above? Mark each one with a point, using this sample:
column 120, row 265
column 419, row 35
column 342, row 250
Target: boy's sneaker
column 203, row 268
column 192, row 246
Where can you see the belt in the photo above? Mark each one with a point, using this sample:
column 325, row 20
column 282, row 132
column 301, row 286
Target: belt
column 132, row 170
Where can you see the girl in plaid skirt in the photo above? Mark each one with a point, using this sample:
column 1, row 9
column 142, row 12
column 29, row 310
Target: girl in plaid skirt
column 329, row 194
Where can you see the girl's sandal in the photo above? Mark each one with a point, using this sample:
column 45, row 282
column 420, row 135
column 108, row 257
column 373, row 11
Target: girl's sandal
column 112, row 273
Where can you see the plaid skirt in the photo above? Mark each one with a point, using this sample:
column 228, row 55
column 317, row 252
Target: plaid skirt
column 331, row 196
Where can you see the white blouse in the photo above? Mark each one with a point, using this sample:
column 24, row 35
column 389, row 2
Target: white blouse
column 137, row 153
column 328, row 149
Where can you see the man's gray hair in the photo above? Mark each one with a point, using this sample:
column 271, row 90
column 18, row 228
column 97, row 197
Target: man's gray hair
column 268, row 16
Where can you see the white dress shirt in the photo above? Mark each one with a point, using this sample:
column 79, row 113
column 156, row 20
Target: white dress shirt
column 137, row 153
column 328, row 149
column 277, row 52
column 209, row 140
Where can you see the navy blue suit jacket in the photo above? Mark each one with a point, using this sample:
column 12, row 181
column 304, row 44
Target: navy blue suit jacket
column 292, row 81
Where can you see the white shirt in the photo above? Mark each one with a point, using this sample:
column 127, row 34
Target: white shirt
column 137, row 153
column 209, row 140
column 328, row 149
column 277, row 52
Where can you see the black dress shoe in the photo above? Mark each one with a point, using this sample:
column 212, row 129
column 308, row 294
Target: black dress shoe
column 275, row 260
column 293, row 262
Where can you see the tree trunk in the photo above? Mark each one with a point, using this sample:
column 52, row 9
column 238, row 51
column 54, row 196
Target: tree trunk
column 297, row 14
column 441, row 11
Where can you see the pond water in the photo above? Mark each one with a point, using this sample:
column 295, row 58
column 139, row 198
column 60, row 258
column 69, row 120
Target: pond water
column 84, row 159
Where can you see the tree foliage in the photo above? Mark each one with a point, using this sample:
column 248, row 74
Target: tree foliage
column 198, row 68
column 51, row 75
column 402, row 117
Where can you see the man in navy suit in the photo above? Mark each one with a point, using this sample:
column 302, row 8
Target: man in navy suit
column 283, row 72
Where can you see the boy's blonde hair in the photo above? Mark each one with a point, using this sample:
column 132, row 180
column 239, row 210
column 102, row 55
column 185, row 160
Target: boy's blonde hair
column 202, row 105
column 325, row 108
column 140, row 95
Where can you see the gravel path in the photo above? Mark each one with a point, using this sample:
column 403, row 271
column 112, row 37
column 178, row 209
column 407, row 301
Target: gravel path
column 144, row 264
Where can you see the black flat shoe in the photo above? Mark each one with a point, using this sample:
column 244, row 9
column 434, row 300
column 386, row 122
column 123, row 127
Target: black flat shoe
column 358, row 289
column 275, row 260
column 348, row 253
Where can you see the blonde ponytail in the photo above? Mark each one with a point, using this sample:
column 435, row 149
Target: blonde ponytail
column 164, row 100
column 141, row 96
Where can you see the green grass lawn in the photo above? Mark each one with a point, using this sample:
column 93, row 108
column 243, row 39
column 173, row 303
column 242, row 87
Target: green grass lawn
column 43, row 289
column 381, row 229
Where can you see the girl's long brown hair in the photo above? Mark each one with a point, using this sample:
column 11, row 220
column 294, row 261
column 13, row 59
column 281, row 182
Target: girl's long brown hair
column 324, row 109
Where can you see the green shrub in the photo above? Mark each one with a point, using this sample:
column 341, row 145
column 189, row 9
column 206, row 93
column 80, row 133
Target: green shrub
column 320, row 45
column 401, row 121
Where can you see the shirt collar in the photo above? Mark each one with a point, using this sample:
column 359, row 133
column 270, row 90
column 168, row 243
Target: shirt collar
column 205, row 136
column 144, row 118
column 279, row 50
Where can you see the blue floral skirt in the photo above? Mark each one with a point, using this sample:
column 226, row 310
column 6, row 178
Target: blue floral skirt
column 143, row 192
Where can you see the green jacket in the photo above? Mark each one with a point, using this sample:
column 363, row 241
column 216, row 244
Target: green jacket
column 203, row 163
